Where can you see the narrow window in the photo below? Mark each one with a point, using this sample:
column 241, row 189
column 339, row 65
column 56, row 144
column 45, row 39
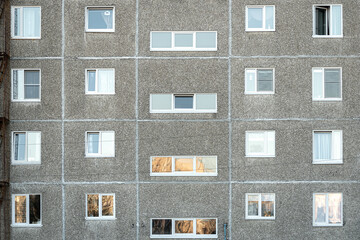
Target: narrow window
column 26, row 148
column 100, row 206
column 260, row 18
column 327, row 147
column 327, row 84
column 26, row 22
column 100, row 81
column 26, row 209
column 259, row 81
column 327, row 209
column 100, row 19
column 328, row 21
column 184, row 101
column 100, row 144
column 26, row 85
column 260, row 206
column 260, row 144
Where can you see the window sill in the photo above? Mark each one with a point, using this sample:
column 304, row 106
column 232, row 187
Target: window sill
column 25, row 163
column 327, row 36
column 100, row 219
column 183, row 111
column 97, row 94
column 328, row 162
column 260, row 30
column 260, row 218
column 183, row 50
column 27, row 226
column 328, row 225
column 98, row 156
column 260, row 156
column 100, row 31
column 21, row 38
column 169, row 236
column 26, row 101
column 183, row 175
column 328, row 100
column 259, row 93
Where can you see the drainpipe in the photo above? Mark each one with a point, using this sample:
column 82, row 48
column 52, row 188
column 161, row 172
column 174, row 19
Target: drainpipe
column 225, row 225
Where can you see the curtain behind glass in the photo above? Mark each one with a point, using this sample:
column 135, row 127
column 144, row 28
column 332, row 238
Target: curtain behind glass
column 34, row 146
column 269, row 17
column 106, row 81
column 19, row 146
column 320, row 208
column 250, row 80
column 334, row 208
column 255, row 17
column 322, row 147
column 32, row 21
column 317, row 84
column 93, row 143
column 32, row 84
column 336, row 20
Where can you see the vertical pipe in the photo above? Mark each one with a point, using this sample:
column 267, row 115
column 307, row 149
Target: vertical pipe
column 225, row 225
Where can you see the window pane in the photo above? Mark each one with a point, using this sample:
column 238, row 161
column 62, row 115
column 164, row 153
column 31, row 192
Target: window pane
column 205, row 226
column 18, row 84
column 91, row 81
column 270, row 143
column 184, row 164
column 256, row 142
column 334, row 208
column 35, row 208
column 317, row 84
column 336, row 145
column 336, row 20
column 93, row 142
column 32, row 92
column 184, row 226
column 265, row 80
column 161, row 101
column 184, row 102
column 322, row 146
column 206, row 164
column 320, row 208
column 161, row 39
column 269, row 17
column 107, row 205
column 267, row 205
column 250, row 80
column 108, row 143
column 19, row 146
column 34, row 146
column 161, row 164
column 253, row 205
column 15, row 83
column 206, row 40
column 332, row 83
column 183, row 40
column 17, row 22
column 106, row 83
column 20, row 209
column 161, row 226
column 206, row 101
column 32, row 21
column 255, row 17
column 32, row 77
column 93, row 205
column 100, row 18
column 321, row 20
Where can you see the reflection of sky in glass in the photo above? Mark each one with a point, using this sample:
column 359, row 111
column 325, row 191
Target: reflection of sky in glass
column 184, row 226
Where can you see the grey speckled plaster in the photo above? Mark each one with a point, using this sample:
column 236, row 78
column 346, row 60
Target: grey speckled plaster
column 118, row 168
column 79, row 105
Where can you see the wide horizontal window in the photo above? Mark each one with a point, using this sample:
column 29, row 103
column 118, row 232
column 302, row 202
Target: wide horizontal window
column 183, row 103
column 26, row 22
column 100, row 19
column 26, row 210
column 100, row 144
column 100, row 81
column 327, row 147
column 327, row 209
column 260, row 144
column 26, row 85
column 259, row 81
column 327, row 84
column 184, row 228
column 328, row 20
column 260, row 206
column 184, row 166
column 260, row 18
column 26, row 147
column 100, row 206
column 183, row 41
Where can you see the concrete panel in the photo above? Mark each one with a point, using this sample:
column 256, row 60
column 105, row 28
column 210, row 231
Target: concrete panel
column 183, row 76
column 86, row 44
column 79, row 105
column 81, row 168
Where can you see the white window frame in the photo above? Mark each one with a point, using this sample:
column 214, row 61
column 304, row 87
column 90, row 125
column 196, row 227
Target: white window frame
column 100, row 217
column 327, row 211
column 187, row 235
column 27, row 224
column 25, row 162
column 87, row 92
column 263, row 29
column 329, row 161
column 183, row 174
column 247, row 144
column 21, row 25
column 87, row 19
column 256, row 83
column 97, row 155
column 330, row 29
column 193, row 48
column 184, row 110
column 322, row 69
column 260, row 206
column 12, row 84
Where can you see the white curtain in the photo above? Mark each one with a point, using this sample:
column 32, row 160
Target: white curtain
column 336, row 20
column 336, row 145
column 334, row 208
column 19, row 146
column 93, row 143
column 106, row 81
column 269, row 17
column 107, row 17
column 31, row 21
column 320, row 208
column 250, row 80
column 322, row 148
column 317, row 84
column 34, row 146
column 108, row 143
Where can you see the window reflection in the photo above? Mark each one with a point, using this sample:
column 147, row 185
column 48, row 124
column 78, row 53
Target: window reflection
column 267, row 205
column 183, row 164
column 162, row 226
column 161, row 164
column 107, row 205
column 20, row 209
column 205, row 226
column 206, row 164
column 184, row 226
column 93, row 205
column 253, row 205
column 334, row 208
column 320, row 208
column 34, row 210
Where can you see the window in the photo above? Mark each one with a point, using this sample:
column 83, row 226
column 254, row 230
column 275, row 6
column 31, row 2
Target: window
column 183, row 41
column 259, row 81
column 260, row 144
column 100, row 206
column 26, row 85
column 327, row 84
column 327, row 209
column 26, row 148
column 100, row 81
column 26, row 210
column 328, row 20
column 184, row 228
column 260, row 18
column 184, row 166
column 100, row 19
column 100, row 144
column 26, row 22
column 327, row 147
column 183, row 103
column 260, row 206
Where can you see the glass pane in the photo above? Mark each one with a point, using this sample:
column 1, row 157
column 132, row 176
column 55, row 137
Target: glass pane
column 206, row 40
column 108, row 143
column 205, row 226
column 255, row 17
column 32, row 77
column 18, row 84
column 269, row 17
column 322, row 145
column 161, row 39
column 335, row 208
column 17, row 22
column 34, row 146
column 317, row 84
column 107, row 205
column 267, row 205
column 91, row 81
column 332, row 83
column 93, row 142
column 206, row 101
column 15, row 79
column 161, row 226
column 256, row 143
column 32, row 91
column 184, row 226
column 336, row 145
column 100, row 18
column 320, row 208
column 336, row 20
column 19, row 146
column 183, row 40
column 93, row 205
column 332, row 75
column 206, row 164
column 184, row 102
column 161, row 164
column 253, row 205
column 270, row 143
column 321, row 20
column 34, row 209
column 32, row 22
column 20, row 209
column 184, row 164
column 106, row 82
column 250, row 80
column 161, row 101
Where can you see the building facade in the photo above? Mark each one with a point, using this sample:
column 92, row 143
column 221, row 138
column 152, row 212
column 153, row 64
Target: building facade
column 226, row 119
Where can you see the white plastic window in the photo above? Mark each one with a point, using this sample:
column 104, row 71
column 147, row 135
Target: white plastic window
column 26, row 210
column 327, row 147
column 26, row 22
column 100, row 81
column 327, row 20
column 327, row 209
column 260, row 18
column 259, row 81
column 100, row 206
column 100, row 144
column 100, row 19
column 260, row 206
column 26, row 85
column 26, row 148
column 327, row 84
column 260, row 144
